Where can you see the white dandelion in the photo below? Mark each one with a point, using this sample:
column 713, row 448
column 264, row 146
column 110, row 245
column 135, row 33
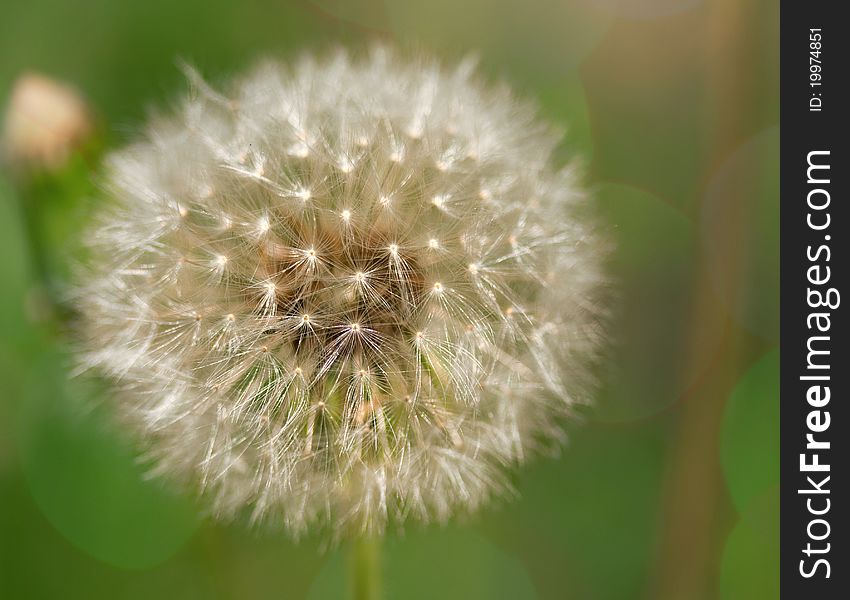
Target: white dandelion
column 344, row 293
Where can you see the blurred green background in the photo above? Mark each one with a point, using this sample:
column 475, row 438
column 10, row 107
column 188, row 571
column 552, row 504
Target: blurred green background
column 668, row 489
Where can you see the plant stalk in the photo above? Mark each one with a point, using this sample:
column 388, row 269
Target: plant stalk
column 365, row 568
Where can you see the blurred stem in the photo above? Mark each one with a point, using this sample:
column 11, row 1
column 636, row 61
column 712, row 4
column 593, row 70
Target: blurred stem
column 36, row 248
column 52, row 206
column 43, row 301
column 365, row 568
column 693, row 529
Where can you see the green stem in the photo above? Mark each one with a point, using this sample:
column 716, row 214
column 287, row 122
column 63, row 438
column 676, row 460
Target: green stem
column 365, row 568
column 35, row 242
column 43, row 300
column 52, row 211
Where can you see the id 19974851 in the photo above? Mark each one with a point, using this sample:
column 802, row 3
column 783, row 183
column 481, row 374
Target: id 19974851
column 815, row 70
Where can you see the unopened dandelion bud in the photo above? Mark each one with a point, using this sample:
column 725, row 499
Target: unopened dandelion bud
column 45, row 120
column 345, row 292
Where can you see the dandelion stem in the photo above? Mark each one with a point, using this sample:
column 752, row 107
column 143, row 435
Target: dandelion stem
column 47, row 202
column 36, row 247
column 365, row 568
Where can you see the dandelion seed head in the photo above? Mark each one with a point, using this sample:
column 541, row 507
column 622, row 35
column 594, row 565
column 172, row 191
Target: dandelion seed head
column 338, row 371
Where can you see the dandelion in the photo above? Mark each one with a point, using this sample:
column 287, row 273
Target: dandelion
column 346, row 293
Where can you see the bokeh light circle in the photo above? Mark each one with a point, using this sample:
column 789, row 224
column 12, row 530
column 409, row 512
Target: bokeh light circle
column 85, row 478
column 606, row 488
column 740, row 233
column 660, row 343
column 750, row 563
column 749, row 439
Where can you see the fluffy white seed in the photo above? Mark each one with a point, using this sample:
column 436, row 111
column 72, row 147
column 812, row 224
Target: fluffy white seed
column 374, row 296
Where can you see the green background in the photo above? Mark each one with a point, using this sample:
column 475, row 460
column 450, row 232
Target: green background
column 668, row 488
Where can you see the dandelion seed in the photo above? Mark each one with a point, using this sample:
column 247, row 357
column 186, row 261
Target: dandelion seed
column 346, row 165
column 439, row 200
